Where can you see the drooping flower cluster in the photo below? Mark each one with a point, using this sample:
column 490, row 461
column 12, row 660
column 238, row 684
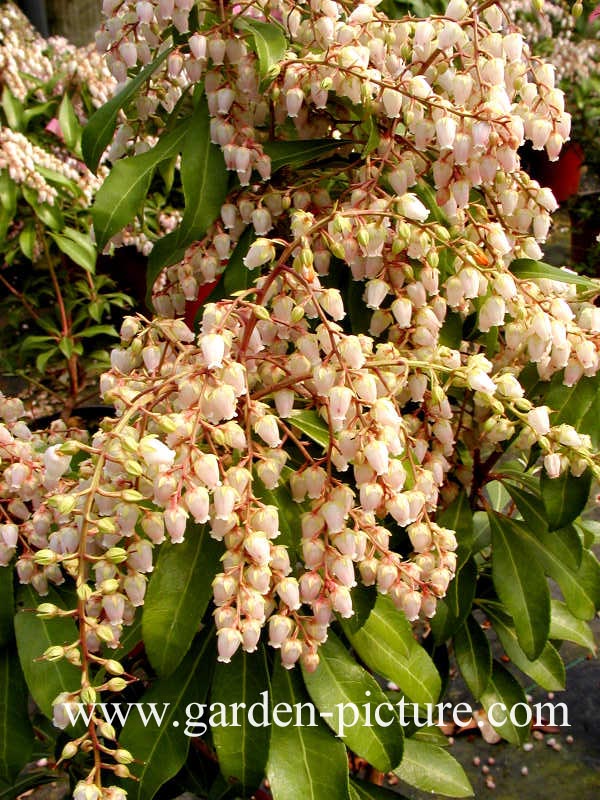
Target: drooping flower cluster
column 383, row 334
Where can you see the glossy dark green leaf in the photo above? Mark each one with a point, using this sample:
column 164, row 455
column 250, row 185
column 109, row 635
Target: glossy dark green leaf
column 305, row 761
column 99, row 131
column 77, row 247
column 311, row 424
column 8, row 192
column 520, row 583
column 361, row 790
column 270, row 43
column 178, row 595
column 565, row 543
column 13, row 109
column 432, row 769
column 564, row 626
column 298, row 152
column 45, row 679
column 162, row 748
column 339, row 682
column 548, row 670
column 16, row 733
column 237, row 276
column 7, row 605
column 122, row 194
column 387, row 645
column 70, row 126
column 502, row 695
column 459, row 518
column 242, row 749
column 577, row 405
column 531, row 270
column 27, row 240
column 51, row 216
column 205, row 181
column 473, row 656
column 454, row 608
column 564, row 497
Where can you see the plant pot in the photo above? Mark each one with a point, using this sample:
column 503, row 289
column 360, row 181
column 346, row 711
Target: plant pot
column 193, row 306
column 562, row 176
column 585, row 227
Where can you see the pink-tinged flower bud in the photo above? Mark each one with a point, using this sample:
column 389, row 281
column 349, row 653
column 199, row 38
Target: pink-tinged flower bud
column 492, row 313
column 261, row 220
column 206, row 468
column 387, row 575
column 439, row 581
column 399, row 508
column 371, row 496
column 293, row 101
column 343, row 570
column 539, row 420
column 228, row 641
column 213, row 349
column 342, row 602
column 262, row 251
column 411, row 605
column 540, row 130
column 9, row 535
column 197, row 45
column 289, row 591
column 313, row 553
column 128, row 52
column 314, row 478
column 339, row 403
column 135, row 589
column 156, row 453
column 114, row 605
column 334, row 515
column 322, row 609
column 85, row 790
column 268, row 430
column 197, row 501
column 331, row 302
column 55, row 462
column 445, row 130
column 480, row 382
column 151, row 356
column 216, row 50
column 251, row 629
column 175, row 523
column 225, row 617
column 311, row 584
column 284, row 402
column 258, row 548
column 139, row 557
column 290, row 653
column 280, row 630
column 259, row 578
column 375, row 293
column 392, row 102
column 145, row 12
column 420, row 537
column 153, row 526
column 224, row 499
column 553, row 465
column 457, row 9
column 377, row 455
column 324, row 378
column 411, row 207
column 224, row 587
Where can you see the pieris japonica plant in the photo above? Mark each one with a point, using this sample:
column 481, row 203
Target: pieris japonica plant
column 381, row 429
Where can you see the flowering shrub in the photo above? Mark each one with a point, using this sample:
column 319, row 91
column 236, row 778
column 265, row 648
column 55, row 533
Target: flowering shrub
column 386, row 416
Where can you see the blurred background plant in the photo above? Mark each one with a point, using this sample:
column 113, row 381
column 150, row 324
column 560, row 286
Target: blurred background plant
column 58, row 306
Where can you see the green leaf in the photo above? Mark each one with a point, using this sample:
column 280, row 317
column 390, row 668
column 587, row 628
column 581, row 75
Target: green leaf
column 298, row 152
column 340, row 683
column 52, row 176
column 97, row 330
column 548, row 670
column 564, row 543
column 473, row 656
column 430, row 734
column 205, row 181
column 459, row 518
column 270, row 43
column 564, row 626
column 41, row 361
column 361, row 790
column 45, row 679
column 13, row 109
column 237, row 276
column 501, row 696
column 7, row 606
column 122, row 194
column 178, row 595
column 99, row 131
column 27, row 240
column 8, row 192
column 16, row 733
column 531, row 270
column 242, row 749
column 311, row 424
column 70, row 126
column 454, row 608
column 51, row 216
column 564, row 497
column 577, row 405
column 82, row 253
column 432, row 769
column 387, row 646
column 520, row 583
column 305, row 761
column 162, row 748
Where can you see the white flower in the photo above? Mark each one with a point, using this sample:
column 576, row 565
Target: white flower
column 411, row 207
column 539, row 420
column 156, row 453
column 262, row 251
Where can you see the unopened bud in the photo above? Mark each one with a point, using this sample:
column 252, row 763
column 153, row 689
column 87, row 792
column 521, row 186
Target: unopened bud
column 69, row 750
column 84, row 592
column 45, row 557
column 88, row 695
column 54, row 653
column 63, row 503
column 116, row 684
column 106, row 525
column 47, row 610
column 105, row 633
column 117, row 555
column 123, row 756
column 121, row 771
column 69, row 448
column 107, row 731
column 132, row 496
column 134, row 468
column 261, row 312
column 109, row 586
column 113, row 667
